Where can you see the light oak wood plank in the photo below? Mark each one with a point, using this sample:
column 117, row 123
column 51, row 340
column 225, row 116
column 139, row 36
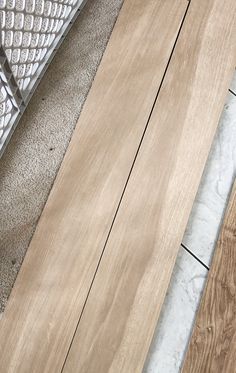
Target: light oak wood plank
column 212, row 347
column 50, row 291
column 123, row 307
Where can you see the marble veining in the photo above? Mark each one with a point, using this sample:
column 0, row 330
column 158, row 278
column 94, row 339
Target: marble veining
column 178, row 312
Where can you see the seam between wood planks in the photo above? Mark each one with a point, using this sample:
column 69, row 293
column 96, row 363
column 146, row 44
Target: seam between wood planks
column 112, row 335
column 55, row 277
column 186, row 11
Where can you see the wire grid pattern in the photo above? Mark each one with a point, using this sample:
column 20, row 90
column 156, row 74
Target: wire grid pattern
column 7, row 108
column 29, row 28
column 30, row 32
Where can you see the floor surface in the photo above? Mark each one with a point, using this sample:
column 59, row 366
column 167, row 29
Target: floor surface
column 30, row 163
column 31, row 160
column 188, row 279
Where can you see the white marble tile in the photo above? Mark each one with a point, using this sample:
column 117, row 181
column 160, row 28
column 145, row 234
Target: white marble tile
column 208, row 210
column 233, row 84
column 177, row 316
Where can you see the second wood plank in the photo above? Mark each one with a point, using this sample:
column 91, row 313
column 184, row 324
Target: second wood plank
column 212, row 348
column 48, row 297
column 123, row 307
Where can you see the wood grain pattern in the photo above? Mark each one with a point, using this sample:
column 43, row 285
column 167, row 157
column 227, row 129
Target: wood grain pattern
column 50, row 291
column 123, row 307
column 212, row 347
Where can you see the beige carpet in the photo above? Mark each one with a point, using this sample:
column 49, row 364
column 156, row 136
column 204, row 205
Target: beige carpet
column 33, row 156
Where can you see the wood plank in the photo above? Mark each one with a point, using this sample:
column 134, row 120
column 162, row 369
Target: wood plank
column 212, row 346
column 50, row 291
column 125, row 300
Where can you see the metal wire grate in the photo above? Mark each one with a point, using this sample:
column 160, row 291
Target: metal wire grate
column 7, row 108
column 31, row 31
